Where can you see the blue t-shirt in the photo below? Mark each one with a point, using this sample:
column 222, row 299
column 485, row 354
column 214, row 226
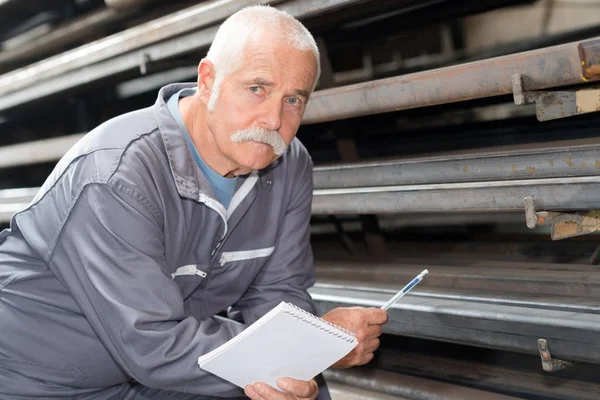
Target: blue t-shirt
column 223, row 187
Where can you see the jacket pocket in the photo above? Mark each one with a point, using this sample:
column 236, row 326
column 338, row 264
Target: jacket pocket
column 229, row 256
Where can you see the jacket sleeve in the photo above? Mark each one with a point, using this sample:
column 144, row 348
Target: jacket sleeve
column 290, row 269
column 110, row 255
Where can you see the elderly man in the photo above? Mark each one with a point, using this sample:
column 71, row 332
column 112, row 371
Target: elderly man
column 161, row 222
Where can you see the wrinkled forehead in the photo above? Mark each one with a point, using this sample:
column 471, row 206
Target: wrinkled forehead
column 276, row 60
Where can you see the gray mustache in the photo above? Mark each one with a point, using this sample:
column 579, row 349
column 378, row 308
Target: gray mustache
column 262, row 135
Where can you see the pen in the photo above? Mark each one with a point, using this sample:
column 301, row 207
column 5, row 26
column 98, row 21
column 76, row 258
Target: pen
column 405, row 290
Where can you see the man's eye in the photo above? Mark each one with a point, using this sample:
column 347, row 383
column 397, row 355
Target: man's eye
column 293, row 101
column 255, row 89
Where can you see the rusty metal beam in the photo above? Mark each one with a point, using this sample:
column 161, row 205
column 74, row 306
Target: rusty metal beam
column 590, row 58
column 541, row 69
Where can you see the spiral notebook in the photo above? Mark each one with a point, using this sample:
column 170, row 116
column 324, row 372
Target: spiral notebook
column 285, row 342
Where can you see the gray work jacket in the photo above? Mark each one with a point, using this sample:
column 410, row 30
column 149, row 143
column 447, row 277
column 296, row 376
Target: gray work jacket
column 118, row 268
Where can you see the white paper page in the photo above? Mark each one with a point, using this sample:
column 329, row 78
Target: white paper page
column 283, row 347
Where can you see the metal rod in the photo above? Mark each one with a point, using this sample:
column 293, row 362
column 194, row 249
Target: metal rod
column 533, row 284
column 513, row 373
column 539, row 163
column 406, row 386
column 564, row 194
column 71, row 32
column 178, row 23
column 573, row 335
column 153, row 41
column 579, row 193
column 542, row 69
column 35, row 152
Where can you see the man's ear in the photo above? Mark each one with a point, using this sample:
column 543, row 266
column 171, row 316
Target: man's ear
column 206, row 79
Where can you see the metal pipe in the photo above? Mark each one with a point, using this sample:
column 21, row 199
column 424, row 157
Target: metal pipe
column 542, row 69
column 579, row 193
column 406, row 386
column 539, row 163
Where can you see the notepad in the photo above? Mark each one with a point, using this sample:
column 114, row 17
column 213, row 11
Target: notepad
column 285, row 342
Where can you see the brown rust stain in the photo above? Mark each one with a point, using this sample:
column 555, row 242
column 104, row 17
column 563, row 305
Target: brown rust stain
column 513, row 167
column 583, row 164
column 597, row 164
column 566, row 228
column 466, row 169
column 531, row 171
column 500, row 166
column 568, row 160
column 551, row 163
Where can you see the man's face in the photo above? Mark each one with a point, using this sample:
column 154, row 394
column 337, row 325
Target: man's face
column 265, row 97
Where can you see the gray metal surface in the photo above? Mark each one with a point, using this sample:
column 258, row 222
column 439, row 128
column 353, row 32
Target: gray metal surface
column 579, row 193
column 499, row 282
column 550, row 194
column 384, row 383
column 572, row 335
column 14, row 200
column 36, row 152
column 74, row 31
column 525, row 164
column 157, row 40
column 541, row 69
column 196, row 17
column 500, row 372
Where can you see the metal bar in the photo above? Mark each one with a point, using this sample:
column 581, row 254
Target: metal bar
column 489, row 374
column 344, row 392
column 172, row 25
column 566, row 194
column 541, row 69
column 40, row 151
column 68, row 33
column 406, row 386
column 125, row 51
column 484, row 282
column 572, row 335
column 539, row 163
column 590, row 58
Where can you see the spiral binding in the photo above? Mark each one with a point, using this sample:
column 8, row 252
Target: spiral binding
column 319, row 322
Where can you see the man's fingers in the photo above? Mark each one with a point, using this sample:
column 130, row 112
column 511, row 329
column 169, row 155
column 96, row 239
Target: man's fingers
column 298, row 388
column 372, row 345
column 252, row 394
column 268, row 393
column 367, row 358
column 374, row 331
column 376, row 316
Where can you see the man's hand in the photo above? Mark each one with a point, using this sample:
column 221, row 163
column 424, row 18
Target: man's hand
column 365, row 323
column 296, row 390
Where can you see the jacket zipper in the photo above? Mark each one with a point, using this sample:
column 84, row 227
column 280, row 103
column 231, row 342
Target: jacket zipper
column 245, row 255
column 188, row 270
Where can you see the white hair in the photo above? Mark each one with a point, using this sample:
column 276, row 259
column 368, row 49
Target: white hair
column 248, row 25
